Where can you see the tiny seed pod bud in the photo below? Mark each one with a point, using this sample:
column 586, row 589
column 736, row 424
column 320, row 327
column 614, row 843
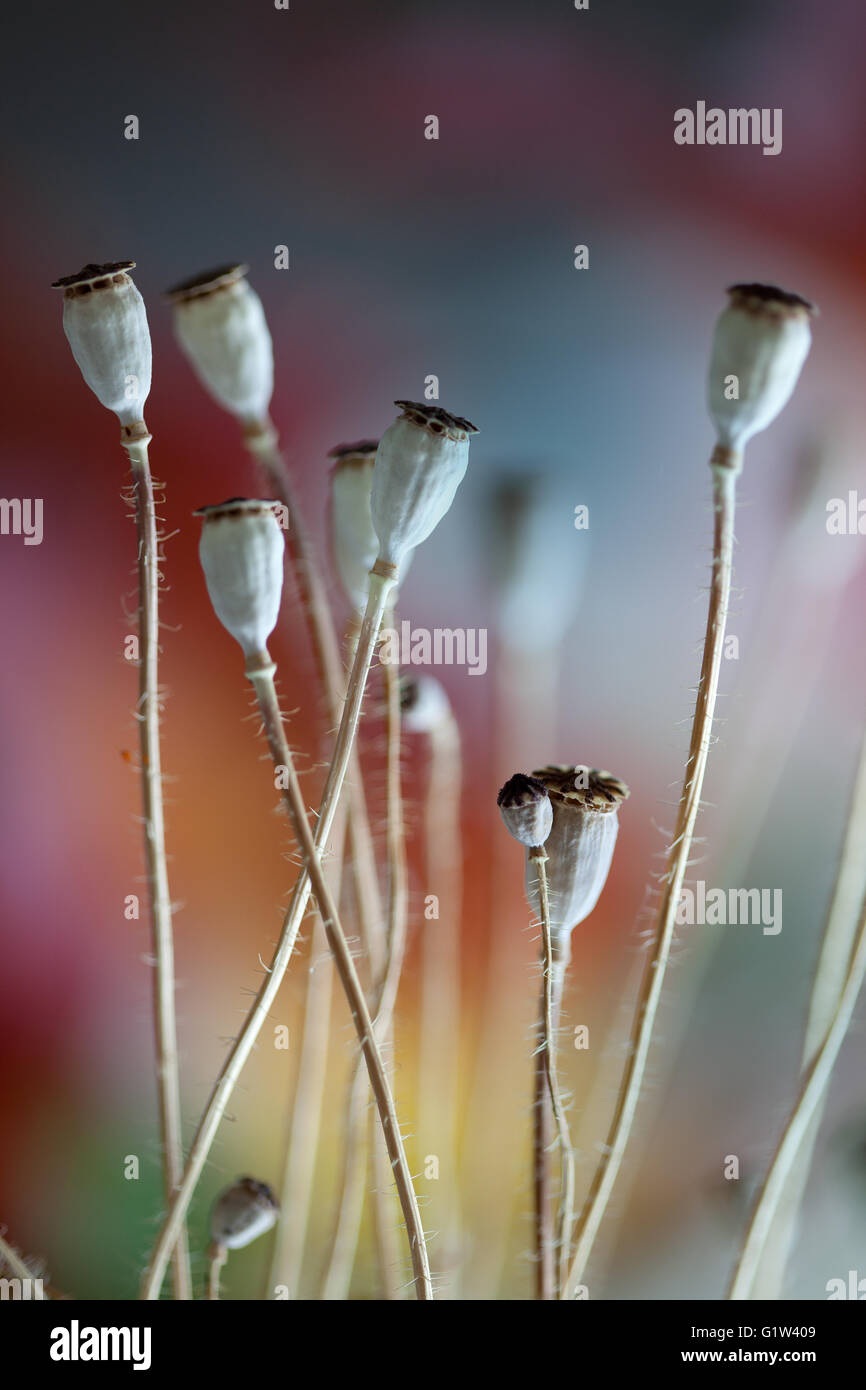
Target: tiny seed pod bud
column 242, row 1213
column 220, row 324
column 760, row 343
column 105, row 321
column 580, row 846
column 424, row 704
column 420, row 463
column 241, row 551
column 526, row 810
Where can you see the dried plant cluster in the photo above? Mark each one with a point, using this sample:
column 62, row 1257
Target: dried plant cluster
column 386, row 498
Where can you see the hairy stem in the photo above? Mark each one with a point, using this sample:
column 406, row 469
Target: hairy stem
column 439, row 1029
column 542, row 1135
column 552, row 981
column 165, row 1022
column 385, row 997
column 306, row 1114
column 398, row 919
column 725, row 469
column 263, row 683
column 380, row 586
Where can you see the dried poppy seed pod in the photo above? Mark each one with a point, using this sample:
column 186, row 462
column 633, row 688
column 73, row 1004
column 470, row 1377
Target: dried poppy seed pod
column 353, row 538
column 760, row 343
column 424, row 705
column 241, row 551
column 105, row 320
column 580, row 845
column 526, row 810
column 242, row 1213
column 220, row 324
column 420, row 463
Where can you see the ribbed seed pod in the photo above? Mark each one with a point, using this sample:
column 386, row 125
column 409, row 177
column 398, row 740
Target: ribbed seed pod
column 241, row 551
column 580, row 845
column 105, row 321
column 761, row 341
column 220, row 324
column 354, row 542
column 420, row 463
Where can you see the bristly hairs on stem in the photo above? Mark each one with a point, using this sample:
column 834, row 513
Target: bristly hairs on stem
column 105, row 322
column 761, row 341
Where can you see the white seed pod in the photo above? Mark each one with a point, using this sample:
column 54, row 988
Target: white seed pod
column 220, row 324
column 242, row 552
column 580, row 845
column 354, row 541
column 760, row 343
column 420, row 463
column 526, row 810
column 105, row 320
column 242, row 1213
column 424, row 704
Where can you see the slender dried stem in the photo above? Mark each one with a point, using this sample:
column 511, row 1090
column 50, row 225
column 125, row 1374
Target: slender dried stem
column 296, row 1191
column 217, row 1256
column 398, row 920
column 724, row 492
column 165, row 1022
column 344, row 1242
column 768, row 1262
column 552, row 984
column 384, row 1225
column 542, row 1137
column 263, row 683
column 306, row 1113
column 526, row 701
column 347, row 1227
column 812, row 1093
column 439, row 1027
column 380, row 586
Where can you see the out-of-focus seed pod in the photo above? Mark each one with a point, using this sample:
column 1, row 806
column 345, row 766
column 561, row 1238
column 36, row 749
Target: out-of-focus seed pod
column 242, row 1213
column 220, row 324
